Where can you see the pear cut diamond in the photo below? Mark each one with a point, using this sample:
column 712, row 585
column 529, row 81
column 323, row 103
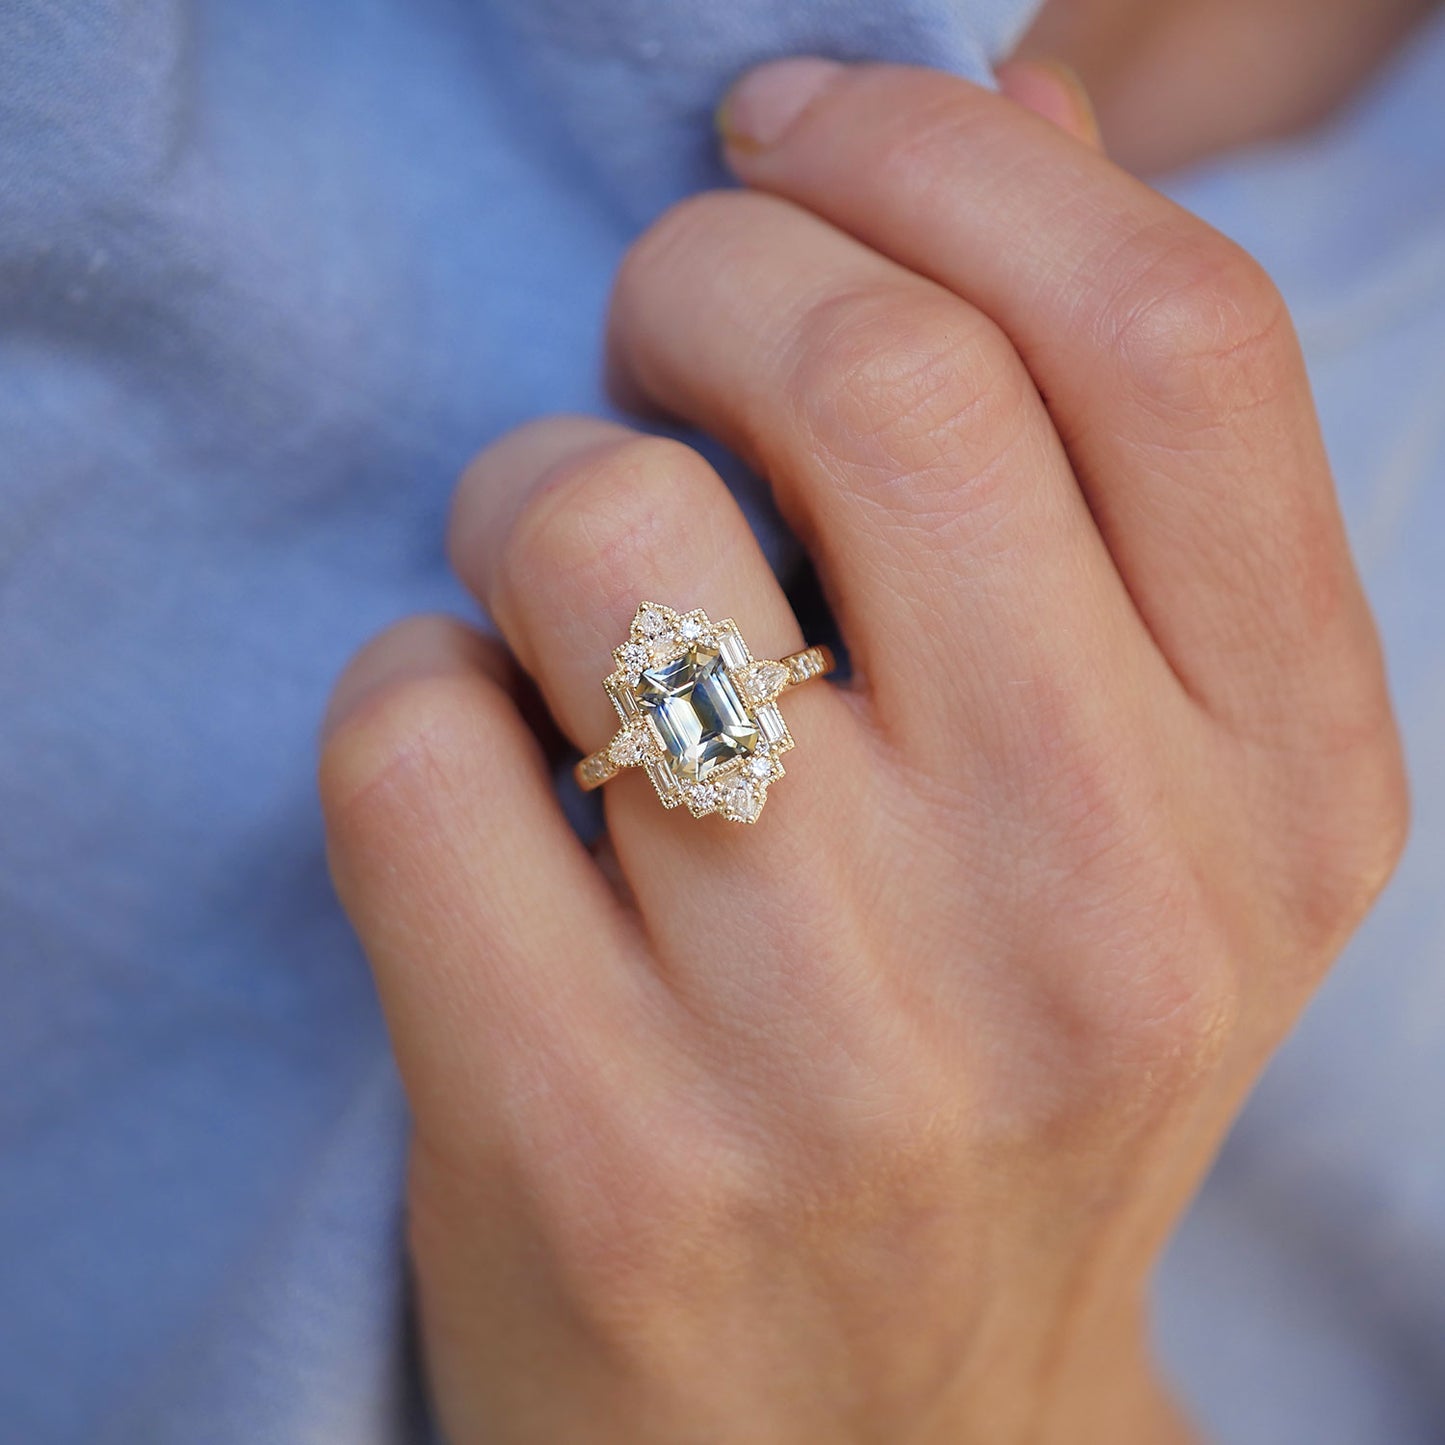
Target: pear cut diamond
column 744, row 802
column 765, row 680
column 697, row 712
column 651, row 622
column 627, row 748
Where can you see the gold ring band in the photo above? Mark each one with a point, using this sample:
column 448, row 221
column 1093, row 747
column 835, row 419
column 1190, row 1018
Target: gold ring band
column 699, row 713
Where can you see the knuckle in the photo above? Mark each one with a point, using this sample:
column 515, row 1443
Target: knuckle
column 1387, row 827
column 598, row 522
column 1152, row 1005
column 1355, row 835
column 1170, row 1019
column 1196, row 322
column 414, row 739
column 1154, row 1017
column 918, row 396
column 687, row 228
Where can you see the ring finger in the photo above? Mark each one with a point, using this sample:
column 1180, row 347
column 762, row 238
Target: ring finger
column 561, row 529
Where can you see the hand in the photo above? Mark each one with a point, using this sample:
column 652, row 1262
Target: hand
column 865, row 1124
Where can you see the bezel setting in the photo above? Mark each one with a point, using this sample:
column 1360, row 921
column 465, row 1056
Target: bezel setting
column 737, row 788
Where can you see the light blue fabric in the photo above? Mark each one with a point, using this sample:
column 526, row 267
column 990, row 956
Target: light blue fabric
column 269, row 273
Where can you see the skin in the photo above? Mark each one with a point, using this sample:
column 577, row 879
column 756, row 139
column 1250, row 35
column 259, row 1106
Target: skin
column 1176, row 80
column 868, row 1123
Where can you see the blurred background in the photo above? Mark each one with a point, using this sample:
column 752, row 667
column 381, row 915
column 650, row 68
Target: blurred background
column 269, row 274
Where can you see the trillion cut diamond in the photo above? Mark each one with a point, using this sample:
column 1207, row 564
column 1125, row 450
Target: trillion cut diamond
column 698, row 713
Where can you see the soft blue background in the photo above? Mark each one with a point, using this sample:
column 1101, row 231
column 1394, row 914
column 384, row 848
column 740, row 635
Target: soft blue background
column 269, row 272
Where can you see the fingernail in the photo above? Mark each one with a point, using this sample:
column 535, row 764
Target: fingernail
column 760, row 109
column 1053, row 90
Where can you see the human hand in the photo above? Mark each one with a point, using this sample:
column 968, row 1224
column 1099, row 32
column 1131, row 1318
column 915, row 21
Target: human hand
column 868, row 1122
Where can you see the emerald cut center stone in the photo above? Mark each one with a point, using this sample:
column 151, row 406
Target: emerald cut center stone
column 698, row 713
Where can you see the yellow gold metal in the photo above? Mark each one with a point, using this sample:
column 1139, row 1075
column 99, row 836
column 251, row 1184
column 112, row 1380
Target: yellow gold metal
column 699, row 713
column 811, row 662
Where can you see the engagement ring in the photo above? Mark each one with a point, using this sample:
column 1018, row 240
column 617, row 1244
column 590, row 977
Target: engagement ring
column 699, row 713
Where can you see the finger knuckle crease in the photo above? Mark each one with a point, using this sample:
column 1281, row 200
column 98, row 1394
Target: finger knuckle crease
column 596, row 524
column 1197, row 325
column 676, row 242
column 414, row 739
column 911, row 393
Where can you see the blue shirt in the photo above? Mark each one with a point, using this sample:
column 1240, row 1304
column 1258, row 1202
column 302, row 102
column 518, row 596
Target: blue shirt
column 269, row 274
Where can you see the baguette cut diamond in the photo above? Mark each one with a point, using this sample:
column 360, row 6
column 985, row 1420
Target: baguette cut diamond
column 698, row 713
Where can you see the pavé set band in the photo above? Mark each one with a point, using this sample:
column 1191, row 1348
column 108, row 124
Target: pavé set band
column 699, row 713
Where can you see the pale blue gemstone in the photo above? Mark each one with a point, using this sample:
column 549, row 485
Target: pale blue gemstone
column 697, row 712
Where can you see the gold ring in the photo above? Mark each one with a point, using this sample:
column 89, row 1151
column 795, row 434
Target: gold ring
column 699, row 712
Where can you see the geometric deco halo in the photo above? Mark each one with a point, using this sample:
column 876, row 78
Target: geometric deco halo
column 699, row 713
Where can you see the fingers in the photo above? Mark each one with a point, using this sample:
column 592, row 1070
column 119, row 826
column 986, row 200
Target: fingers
column 494, row 939
column 1054, row 92
column 561, row 529
column 1167, row 358
column 563, row 526
column 908, row 447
